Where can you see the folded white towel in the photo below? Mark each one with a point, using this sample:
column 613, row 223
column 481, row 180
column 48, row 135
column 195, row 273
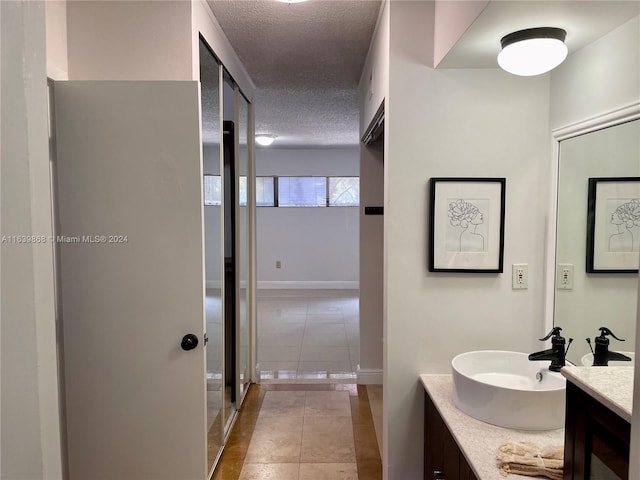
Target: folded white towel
column 526, row 458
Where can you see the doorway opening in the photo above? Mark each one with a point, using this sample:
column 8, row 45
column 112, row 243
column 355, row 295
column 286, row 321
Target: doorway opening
column 308, row 264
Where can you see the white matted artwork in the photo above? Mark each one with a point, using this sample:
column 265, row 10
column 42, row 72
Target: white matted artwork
column 467, row 225
column 613, row 225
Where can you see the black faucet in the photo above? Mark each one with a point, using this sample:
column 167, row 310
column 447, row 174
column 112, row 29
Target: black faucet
column 602, row 355
column 557, row 351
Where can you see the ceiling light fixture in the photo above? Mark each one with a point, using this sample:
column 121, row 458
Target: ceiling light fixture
column 265, row 139
column 292, row 1
column 533, row 51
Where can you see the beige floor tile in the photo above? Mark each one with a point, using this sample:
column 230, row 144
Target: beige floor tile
column 320, row 318
column 324, row 306
column 278, row 404
column 284, row 328
column 327, row 440
column 317, row 329
column 323, row 404
column 328, row 471
column 321, row 353
column 270, row 471
column 278, row 366
column 267, row 318
column 275, row 440
column 329, row 334
column 272, row 353
column 281, row 340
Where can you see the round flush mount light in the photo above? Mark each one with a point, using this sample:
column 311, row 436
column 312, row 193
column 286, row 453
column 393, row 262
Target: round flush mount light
column 533, row 51
column 292, row 1
column 265, row 139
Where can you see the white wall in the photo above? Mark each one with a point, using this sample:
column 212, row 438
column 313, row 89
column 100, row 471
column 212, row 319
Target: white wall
column 130, row 40
column 371, row 263
column 451, row 21
column 30, row 443
column 56, row 17
column 318, row 247
column 467, row 123
column 600, row 77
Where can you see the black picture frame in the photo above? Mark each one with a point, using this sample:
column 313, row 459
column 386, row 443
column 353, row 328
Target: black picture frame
column 613, row 232
column 466, row 220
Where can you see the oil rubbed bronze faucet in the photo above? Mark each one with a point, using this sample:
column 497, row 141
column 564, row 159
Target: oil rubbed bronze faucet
column 602, row 356
column 557, row 353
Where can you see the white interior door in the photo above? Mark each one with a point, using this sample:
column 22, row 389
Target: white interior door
column 132, row 278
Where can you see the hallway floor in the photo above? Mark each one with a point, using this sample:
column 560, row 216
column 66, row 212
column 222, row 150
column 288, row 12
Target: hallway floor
column 308, row 334
column 301, row 431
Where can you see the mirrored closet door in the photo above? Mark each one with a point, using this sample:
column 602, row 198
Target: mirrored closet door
column 228, row 199
column 243, row 229
column 210, row 77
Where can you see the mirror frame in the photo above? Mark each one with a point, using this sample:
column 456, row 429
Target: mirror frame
column 608, row 119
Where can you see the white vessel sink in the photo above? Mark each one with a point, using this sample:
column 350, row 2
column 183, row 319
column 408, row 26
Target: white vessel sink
column 506, row 389
column 587, row 360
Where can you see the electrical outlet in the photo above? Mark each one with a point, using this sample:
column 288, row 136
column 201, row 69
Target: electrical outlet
column 564, row 280
column 278, row 264
column 520, row 276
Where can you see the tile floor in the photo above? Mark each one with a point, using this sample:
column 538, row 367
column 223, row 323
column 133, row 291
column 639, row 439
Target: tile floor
column 308, row 334
column 302, row 432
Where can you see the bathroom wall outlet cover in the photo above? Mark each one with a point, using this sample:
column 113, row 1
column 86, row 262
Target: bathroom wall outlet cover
column 564, row 279
column 520, row 276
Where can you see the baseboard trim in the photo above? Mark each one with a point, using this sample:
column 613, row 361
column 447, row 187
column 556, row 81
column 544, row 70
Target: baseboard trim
column 369, row 376
column 307, row 285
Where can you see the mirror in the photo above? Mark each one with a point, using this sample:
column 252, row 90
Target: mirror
column 243, row 244
column 595, row 299
column 210, row 93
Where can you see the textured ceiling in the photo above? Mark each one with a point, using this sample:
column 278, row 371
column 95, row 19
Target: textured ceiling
column 306, row 60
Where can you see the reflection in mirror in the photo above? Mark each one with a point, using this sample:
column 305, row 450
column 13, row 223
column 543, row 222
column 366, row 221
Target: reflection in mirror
column 209, row 78
column 230, row 271
column 243, row 242
column 589, row 301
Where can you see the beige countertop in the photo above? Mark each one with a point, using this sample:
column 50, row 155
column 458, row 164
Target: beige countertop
column 477, row 440
column 611, row 386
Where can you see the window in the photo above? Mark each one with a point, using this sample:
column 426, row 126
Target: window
column 344, row 191
column 265, row 192
column 291, row 191
column 302, row 191
column 212, row 190
column 243, row 191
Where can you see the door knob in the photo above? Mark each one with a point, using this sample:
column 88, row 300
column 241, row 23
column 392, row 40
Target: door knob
column 189, row 342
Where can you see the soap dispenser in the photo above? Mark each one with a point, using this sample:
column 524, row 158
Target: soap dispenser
column 602, row 355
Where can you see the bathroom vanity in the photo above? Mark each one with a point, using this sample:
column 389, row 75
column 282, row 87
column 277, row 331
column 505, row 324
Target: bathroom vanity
column 459, row 447
column 596, row 436
column 598, row 422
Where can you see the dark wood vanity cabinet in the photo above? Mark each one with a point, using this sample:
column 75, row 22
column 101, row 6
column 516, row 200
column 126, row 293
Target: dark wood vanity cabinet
column 443, row 459
column 596, row 439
